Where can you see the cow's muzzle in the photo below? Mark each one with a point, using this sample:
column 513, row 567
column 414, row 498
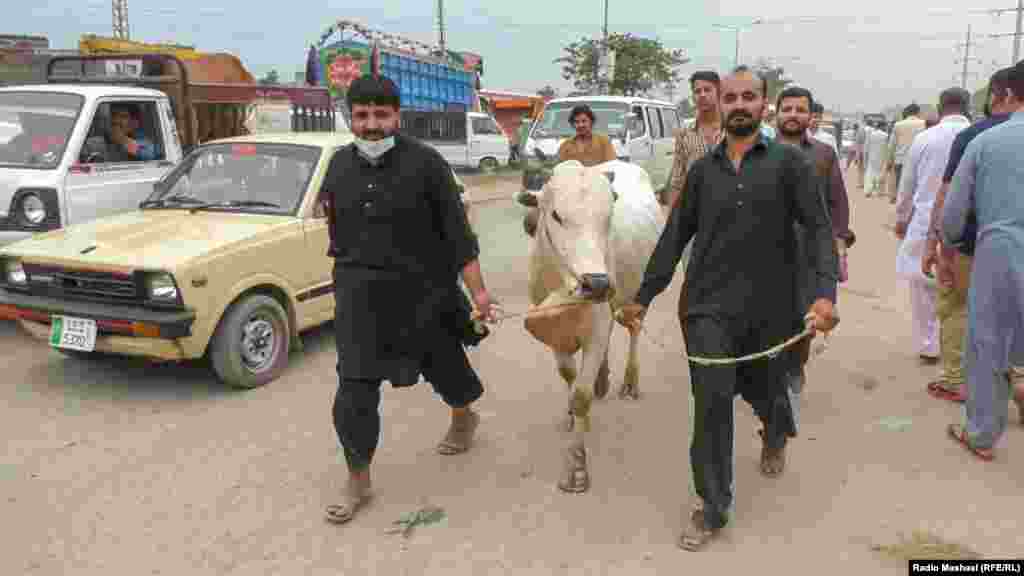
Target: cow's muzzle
column 597, row 287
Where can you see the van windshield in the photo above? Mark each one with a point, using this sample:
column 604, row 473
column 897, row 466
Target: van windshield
column 610, row 119
column 35, row 127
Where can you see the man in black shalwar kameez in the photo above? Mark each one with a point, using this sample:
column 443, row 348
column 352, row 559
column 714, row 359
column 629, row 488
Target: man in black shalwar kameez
column 399, row 239
column 739, row 206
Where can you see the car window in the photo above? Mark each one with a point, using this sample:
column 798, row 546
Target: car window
column 143, row 128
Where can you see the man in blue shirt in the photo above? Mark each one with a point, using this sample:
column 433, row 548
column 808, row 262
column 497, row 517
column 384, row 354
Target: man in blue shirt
column 987, row 184
column 127, row 135
column 953, row 265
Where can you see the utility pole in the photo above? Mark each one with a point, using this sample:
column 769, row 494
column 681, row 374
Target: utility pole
column 120, row 18
column 1016, row 35
column 606, row 83
column 442, row 43
column 966, row 57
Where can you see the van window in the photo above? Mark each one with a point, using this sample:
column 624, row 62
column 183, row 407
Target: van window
column 638, row 127
column 485, row 126
column 610, row 119
column 670, row 118
column 655, row 121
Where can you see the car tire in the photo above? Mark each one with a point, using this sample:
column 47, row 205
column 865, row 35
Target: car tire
column 489, row 165
column 251, row 345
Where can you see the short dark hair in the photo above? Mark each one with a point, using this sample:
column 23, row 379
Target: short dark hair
column 368, row 90
column 795, row 92
column 581, row 109
column 744, row 69
column 957, row 98
column 705, row 76
column 127, row 108
column 1015, row 80
column 911, row 110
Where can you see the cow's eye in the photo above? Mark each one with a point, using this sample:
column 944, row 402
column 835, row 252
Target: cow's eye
column 557, row 218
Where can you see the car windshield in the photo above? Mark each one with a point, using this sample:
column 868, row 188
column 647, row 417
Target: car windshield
column 35, row 127
column 243, row 176
column 610, row 119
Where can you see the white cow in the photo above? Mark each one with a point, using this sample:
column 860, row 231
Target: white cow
column 597, row 229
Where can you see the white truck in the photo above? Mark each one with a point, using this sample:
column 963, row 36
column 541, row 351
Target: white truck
column 58, row 165
column 465, row 139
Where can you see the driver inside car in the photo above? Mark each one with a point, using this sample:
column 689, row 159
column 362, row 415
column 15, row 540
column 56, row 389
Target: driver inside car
column 127, row 137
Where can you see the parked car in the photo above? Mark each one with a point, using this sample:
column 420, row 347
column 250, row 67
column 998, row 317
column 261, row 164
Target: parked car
column 226, row 259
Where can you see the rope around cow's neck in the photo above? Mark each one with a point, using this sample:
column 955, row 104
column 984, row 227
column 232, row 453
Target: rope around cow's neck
column 772, row 352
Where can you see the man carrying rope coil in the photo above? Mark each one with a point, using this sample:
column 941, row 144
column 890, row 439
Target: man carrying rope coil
column 739, row 205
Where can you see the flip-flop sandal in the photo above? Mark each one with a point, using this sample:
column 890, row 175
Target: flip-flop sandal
column 959, row 433
column 696, row 535
column 768, row 455
column 459, row 436
column 941, row 392
column 344, row 513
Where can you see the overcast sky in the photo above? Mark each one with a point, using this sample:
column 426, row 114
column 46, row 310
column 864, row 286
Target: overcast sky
column 856, row 55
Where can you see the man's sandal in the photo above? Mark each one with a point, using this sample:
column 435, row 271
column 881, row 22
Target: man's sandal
column 355, row 499
column 959, row 433
column 696, row 534
column 460, row 435
column 773, row 461
column 938, row 390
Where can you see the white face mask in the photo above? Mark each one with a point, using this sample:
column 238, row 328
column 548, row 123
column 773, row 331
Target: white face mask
column 374, row 149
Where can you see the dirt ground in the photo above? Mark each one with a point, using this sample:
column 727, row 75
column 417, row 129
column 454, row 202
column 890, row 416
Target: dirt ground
column 116, row 467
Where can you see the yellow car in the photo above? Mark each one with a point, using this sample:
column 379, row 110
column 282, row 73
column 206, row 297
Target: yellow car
column 227, row 259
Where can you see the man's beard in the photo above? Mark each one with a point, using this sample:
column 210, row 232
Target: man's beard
column 741, row 130
column 788, row 132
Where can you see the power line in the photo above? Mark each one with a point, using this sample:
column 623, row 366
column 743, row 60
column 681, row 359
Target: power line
column 1016, row 35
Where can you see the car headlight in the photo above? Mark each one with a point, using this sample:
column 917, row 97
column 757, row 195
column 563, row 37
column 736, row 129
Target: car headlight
column 33, row 211
column 160, row 287
column 14, row 273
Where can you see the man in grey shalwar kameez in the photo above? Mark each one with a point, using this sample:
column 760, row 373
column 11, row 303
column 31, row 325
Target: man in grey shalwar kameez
column 988, row 183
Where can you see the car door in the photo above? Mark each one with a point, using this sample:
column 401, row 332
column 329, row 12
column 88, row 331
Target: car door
column 109, row 186
column 487, row 140
column 316, row 296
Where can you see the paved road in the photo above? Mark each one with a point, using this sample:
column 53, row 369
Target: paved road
column 118, row 467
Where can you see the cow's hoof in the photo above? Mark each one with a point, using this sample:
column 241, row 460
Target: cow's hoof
column 576, row 477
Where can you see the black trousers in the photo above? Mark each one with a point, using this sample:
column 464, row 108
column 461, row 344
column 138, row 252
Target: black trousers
column 357, row 402
column 762, row 384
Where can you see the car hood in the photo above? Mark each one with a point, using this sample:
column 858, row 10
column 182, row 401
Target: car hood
column 153, row 239
column 14, row 179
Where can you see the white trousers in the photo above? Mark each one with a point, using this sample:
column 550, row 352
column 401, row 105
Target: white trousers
column 923, row 295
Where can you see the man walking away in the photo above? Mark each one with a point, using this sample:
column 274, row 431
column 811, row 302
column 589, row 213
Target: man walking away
column 903, row 134
column 954, row 266
column 741, row 297
column 400, row 239
column 987, row 183
column 924, row 166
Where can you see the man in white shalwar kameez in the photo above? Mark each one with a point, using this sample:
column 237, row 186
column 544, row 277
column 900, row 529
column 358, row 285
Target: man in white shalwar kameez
column 919, row 183
column 874, row 156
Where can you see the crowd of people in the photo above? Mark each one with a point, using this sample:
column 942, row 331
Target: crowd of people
column 762, row 218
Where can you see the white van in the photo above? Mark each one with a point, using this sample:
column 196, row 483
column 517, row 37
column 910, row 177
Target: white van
column 465, row 139
column 642, row 130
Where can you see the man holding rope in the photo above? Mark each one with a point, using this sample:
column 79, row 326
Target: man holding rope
column 739, row 205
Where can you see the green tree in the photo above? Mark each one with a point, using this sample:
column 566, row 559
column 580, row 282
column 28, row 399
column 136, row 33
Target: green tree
column 270, row 78
column 641, row 64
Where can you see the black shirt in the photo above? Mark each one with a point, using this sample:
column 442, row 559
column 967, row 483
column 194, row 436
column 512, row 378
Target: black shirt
column 399, row 237
column 744, row 261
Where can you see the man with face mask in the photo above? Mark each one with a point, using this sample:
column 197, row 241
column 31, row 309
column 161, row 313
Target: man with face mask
column 399, row 239
column 795, row 120
column 739, row 205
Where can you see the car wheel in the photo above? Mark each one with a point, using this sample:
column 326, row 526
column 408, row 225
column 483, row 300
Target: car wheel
column 251, row 344
column 489, row 165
